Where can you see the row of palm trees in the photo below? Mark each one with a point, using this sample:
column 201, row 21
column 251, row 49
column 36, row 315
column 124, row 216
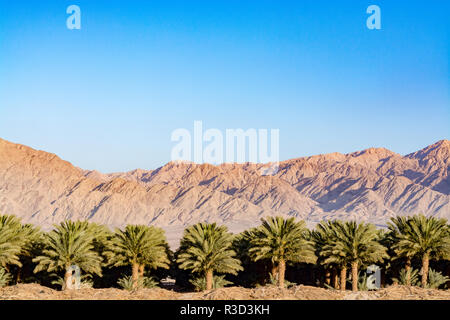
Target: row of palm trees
column 348, row 244
column 207, row 250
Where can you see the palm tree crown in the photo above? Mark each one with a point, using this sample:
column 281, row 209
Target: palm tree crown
column 11, row 240
column 324, row 235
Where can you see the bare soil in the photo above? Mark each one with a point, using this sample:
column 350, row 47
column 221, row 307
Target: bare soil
column 38, row 292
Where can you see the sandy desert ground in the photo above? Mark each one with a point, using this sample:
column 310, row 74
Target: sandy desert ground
column 37, row 292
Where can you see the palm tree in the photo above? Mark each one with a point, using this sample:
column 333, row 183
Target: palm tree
column 139, row 246
column 16, row 241
column 323, row 235
column 253, row 273
column 242, row 244
column 70, row 243
column 101, row 239
column 282, row 241
column 354, row 245
column 11, row 240
column 206, row 249
column 30, row 235
column 326, row 237
column 428, row 238
column 397, row 226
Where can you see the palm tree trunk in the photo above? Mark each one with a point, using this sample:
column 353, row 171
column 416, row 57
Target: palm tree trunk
column 68, row 279
column 19, row 275
column 425, row 264
column 135, row 274
column 408, row 271
column 343, row 278
column 141, row 271
column 209, row 279
column 354, row 276
column 281, row 273
column 328, row 276
column 335, row 278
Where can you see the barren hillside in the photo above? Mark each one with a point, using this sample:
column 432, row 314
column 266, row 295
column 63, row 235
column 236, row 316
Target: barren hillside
column 370, row 185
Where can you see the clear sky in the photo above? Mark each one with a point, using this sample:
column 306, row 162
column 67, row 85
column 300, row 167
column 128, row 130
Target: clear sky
column 108, row 96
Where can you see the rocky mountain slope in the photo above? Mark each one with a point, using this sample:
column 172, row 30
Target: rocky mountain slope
column 370, row 185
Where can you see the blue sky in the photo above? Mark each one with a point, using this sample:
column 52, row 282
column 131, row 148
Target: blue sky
column 108, row 96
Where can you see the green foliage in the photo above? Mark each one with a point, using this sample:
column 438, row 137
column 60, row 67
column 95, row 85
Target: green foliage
column 68, row 244
column 30, row 235
column 353, row 242
column 101, row 240
column 273, row 280
column 242, row 244
column 327, row 286
column 139, row 244
column 17, row 241
column 322, row 236
column 254, row 273
column 5, row 278
column 419, row 235
column 413, row 274
column 126, row 283
column 218, row 282
column 362, row 282
column 349, row 244
column 425, row 237
column 208, row 247
column 436, row 279
column 11, row 240
column 279, row 239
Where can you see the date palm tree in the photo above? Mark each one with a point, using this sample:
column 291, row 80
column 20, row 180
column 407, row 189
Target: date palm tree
column 101, row 240
column 206, row 249
column 30, row 236
column 282, row 241
column 139, row 246
column 10, row 240
column 70, row 243
column 397, row 227
column 324, row 235
column 16, row 241
column 253, row 273
column 354, row 245
column 427, row 238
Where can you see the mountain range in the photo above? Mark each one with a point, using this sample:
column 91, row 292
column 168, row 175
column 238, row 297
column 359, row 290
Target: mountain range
column 372, row 185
